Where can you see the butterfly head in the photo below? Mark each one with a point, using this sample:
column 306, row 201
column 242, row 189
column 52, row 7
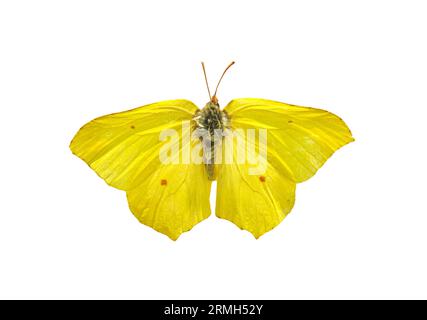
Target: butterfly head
column 214, row 100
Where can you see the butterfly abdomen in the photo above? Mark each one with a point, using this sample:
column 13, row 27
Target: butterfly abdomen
column 210, row 124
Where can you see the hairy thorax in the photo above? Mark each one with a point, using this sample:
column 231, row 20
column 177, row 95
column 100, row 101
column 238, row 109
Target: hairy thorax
column 211, row 123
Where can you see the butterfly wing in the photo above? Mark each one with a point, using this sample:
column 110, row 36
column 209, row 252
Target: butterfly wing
column 254, row 202
column 173, row 199
column 123, row 149
column 299, row 141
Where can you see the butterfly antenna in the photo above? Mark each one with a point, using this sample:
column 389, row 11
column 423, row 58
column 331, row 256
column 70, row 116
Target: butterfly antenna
column 206, row 80
column 216, row 89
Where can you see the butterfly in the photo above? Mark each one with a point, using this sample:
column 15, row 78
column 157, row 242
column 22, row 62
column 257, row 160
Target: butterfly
column 165, row 156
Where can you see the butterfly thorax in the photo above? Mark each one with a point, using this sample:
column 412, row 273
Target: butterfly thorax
column 211, row 122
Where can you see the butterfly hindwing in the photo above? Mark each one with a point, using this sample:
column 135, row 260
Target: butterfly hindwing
column 254, row 202
column 173, row 199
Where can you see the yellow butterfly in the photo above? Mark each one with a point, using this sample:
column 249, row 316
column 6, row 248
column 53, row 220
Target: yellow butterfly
column 166, row 154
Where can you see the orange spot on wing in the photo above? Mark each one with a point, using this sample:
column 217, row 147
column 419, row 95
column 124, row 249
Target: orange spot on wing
column 262, row 178
column 132, row 127
column 163, row 182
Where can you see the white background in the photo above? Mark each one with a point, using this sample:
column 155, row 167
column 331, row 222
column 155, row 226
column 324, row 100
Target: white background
column 358, row 229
